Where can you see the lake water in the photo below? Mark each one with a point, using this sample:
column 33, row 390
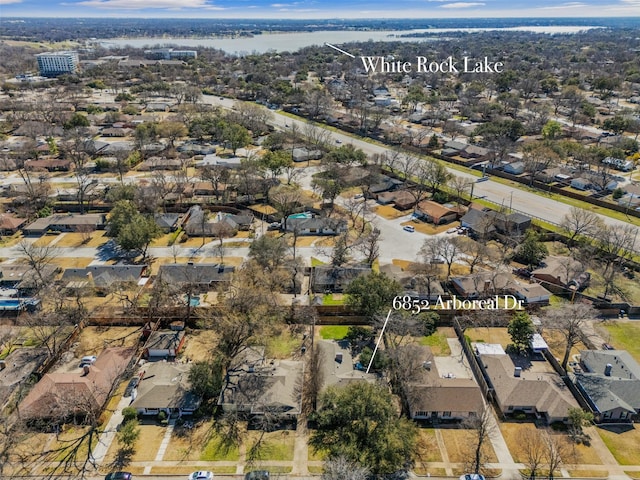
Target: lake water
column 291, row 41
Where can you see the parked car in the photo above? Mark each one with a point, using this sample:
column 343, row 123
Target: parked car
column 606, row 346
column 409, row 228
column 472, row 476
column 483, row 179
column 88, row 360
column 118, row 476
column 257, row 475
column 131, row 386
column 201, row 475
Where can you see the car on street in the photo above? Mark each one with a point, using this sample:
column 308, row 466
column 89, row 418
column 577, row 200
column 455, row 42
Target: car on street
column 118, row 476
column 338, row 141
column 409, row 228
column 482, row 179
column 257, row 475
column 471, row 476
column 201, row 475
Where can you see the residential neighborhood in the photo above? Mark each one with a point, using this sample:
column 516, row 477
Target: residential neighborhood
column 284, row 264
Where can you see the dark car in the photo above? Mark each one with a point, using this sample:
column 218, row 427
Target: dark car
column 118, row 476
column 257, row 475
column 131, row 386
column 606, row 346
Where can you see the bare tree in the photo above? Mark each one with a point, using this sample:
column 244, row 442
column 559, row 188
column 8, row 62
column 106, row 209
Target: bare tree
column 341, row 468
column 40, row 260
column 556, row 449
column 580, row 222
column 534, row 448
column 482, row 426
column 440, row 248
column 569, row 319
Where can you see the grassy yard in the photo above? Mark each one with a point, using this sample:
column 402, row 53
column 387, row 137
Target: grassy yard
column 199, row 345
column 216, row 449
column 146, row 447
column 275, row 446
column 71, row 239
column 283, row 344
column 624, row 445
column 333, row 299
column 438, row 343
column 427, row 448
column 624, row 335
column 93, row 340
column 459, row 445
column 333, row 332
column 389, row 212
column 489, row 335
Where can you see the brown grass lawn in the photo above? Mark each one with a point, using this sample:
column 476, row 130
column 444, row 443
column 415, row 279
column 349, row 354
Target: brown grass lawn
column 625, row 445
column 459, row 445
column 72, row 239
column 514, row 432
column 595, row 473
column 326, row 242
column 228, row 260
column 266, row 209
column 163, row 240
column 403, row 264
column 427, row 448
column 389, row 212
column 93, row 340
column 199, row 345
column 557, row 344
column 155, row 266
column 489, row 335
column 71, row 262
column 148, row 443
column 45, row 240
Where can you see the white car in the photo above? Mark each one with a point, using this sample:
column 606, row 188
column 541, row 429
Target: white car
column 409, row 228
column 201, row 475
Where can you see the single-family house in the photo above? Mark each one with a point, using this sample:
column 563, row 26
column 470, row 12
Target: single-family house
column 339, row 367
column 255, row 386
column 102, row 277
column 67, row 222
column 168, row 222
column 84, row 391
column 164, row 344
column 10, row 224
column 479, row 222
column 160, row 163
column 434, row 395
column 202, row 276
column 316, row 225
column 562, row 271
column 302, row 154
column 335, row 279
column 482, row 284
column 212, row 160
column 582, row 183
column 402, row 199
column 165, row 387
column 417, row 285
column 532, row 391
column 50, row 164
column 514, row 168
column 435, row 213
column 610, row 382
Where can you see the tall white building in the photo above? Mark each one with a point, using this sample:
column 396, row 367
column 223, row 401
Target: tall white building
column 52, row 64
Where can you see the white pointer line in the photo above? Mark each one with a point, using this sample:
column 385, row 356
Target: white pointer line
column 339, row 50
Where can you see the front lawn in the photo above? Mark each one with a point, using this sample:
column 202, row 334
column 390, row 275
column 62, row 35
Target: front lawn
column 274, row 446
column 623, row 443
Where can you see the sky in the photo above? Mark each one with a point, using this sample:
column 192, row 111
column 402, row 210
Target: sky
column 318, row 8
